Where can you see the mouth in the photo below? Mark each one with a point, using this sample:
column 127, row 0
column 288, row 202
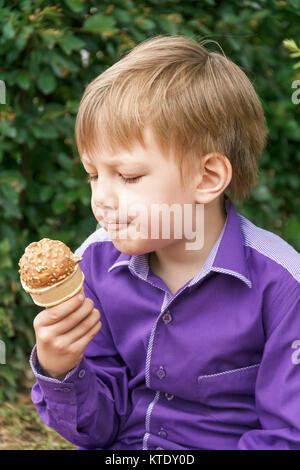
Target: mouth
column 113, row 225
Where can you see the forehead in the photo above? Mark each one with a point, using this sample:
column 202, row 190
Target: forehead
column 120, row 159
column 136, row 156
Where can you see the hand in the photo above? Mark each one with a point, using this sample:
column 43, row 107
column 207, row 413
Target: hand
column 62, row 334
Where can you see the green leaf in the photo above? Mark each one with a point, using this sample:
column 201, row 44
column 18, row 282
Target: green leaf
column 34, row 63
column 44, row 131
column 60, row 64
column 144, row 23
column 260, row 15
column 230, row 18
column 72, row 106
column 9, row 210
column 8, row 375
column 291, row 231
column 23, row 80
column 7, row 129
column 5, row 262
column 70, row 182
column 100, row 23
column 59, row 205
column 72, row 195
column 46, row 81
column 70, row 43
column 52, row 111
column 65, row 161
column 9, row 193
column 14, row 178
column 4, row 246
column 74, row 5
column 122, row 15
column 291, row 45
column 21, row 41
column 262, row 193
column 46, row 193
column 168, row 25
column 8, row 30
column 50, row 37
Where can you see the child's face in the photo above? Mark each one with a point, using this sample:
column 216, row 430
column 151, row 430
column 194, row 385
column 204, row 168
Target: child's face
column 159, row 183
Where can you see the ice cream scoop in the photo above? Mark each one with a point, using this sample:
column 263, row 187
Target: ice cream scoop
column 50, row 272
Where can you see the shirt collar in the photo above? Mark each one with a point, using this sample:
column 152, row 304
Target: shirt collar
column 227, row 255
column 230, row 256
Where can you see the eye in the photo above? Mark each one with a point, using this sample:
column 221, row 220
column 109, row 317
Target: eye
column 91, row 178
column 130, row 180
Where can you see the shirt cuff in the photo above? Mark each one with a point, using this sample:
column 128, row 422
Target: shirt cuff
column 40, row 374
column 71, row 390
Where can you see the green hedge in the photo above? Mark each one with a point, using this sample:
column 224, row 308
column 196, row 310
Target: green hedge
column 49, row 52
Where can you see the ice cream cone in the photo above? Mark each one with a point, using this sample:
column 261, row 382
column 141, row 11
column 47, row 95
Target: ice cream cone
column 50, row 272
column 59, row 292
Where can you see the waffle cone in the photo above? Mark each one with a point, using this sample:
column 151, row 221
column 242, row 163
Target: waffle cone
column 59, row 292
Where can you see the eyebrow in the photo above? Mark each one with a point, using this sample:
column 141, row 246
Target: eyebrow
column 117, row 162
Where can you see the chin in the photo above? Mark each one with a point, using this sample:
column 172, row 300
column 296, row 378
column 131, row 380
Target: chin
column 133, row 247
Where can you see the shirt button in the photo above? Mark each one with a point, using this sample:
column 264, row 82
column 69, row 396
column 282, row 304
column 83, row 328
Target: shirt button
column 163, row 433
column 169, row 396
column 167, row 317
column 65, row 389
column 159, row 448
column 161, row 373
column 81, row 373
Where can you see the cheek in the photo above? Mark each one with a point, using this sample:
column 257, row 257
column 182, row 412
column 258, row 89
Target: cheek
column 93, row 206
column 160, row 196
column 158, row 222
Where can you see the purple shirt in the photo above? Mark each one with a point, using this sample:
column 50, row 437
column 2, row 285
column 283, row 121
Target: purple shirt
column 214, row 366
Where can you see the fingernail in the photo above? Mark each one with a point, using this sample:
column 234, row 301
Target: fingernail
column 80, row 297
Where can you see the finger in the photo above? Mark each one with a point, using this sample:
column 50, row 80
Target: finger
column 80, row 345
column 83, row 327
column 75, row 318
column 52, row 315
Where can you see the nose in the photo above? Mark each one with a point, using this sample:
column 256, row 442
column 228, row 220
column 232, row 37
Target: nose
column 104, row 195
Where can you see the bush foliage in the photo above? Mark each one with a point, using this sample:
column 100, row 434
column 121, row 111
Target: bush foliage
column 49, row 52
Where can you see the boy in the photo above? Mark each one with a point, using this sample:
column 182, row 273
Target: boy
column 198, row 348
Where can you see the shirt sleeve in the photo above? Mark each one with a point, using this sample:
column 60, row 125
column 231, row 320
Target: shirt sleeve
column 277, row 390
column 90, row 405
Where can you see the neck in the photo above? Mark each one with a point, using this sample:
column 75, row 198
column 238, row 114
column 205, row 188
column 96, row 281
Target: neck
column 176, row 258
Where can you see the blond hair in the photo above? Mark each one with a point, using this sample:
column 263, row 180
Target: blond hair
column 195, row 101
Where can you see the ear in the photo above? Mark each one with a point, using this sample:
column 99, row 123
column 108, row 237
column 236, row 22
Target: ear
column 215, row 173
